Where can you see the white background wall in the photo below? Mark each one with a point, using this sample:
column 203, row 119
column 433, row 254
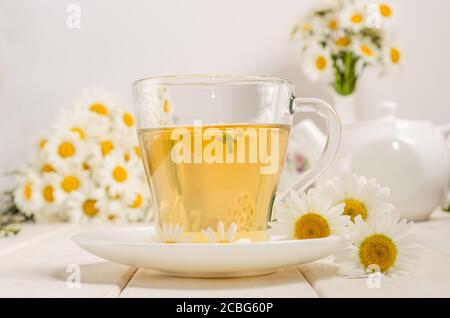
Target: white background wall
column 43, row 64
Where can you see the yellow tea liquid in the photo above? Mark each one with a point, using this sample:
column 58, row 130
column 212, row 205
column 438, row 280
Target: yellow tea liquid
column 202, row 175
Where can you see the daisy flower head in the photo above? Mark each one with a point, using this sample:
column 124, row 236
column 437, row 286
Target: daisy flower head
column 112, row 209
column 104, row 146
column 52, row 198
column 83, row 206
column 317, row 64
column 309, row 215
column 64, row 147
column 364, row 48
column 170, row 234
column 222, row 235
column 138, row 203
column 98, row 101
column 341, row 41
column 393, row 56
column 124, row 121
column 353, row 16
column 359, row 195
column 26, row 194
column 118, row 176
column 71, row 178
column 381, row 13
column 78, row 120
column 384, row 244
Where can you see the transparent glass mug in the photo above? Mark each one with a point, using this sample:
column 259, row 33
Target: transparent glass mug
column 213, row 147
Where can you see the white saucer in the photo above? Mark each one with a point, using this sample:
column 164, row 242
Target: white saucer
column 133, row 246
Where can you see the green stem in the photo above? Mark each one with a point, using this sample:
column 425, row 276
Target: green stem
column 345, row 78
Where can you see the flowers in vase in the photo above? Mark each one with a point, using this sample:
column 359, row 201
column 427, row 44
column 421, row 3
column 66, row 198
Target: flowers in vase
column 87, row 168
column 343, row 37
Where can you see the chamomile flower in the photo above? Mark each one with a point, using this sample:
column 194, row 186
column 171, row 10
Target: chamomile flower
column 98, row 101
column 341, row 41
column 307, row 216
column 52, row 196
column 64, row 148
column 383, row 244
column 353, row 16
column 170, row 233
column 68, row 178
column 79, row 122
column 359, row 195
column 83, row 205
column 112, row 209
column 386, row 10
column 366, row 50
column 317, row 64
column 137, row 203
column 124, row 121
column 26, row 194
column 222, row 235
column 71, row 178
column 118, row 175
column 104, row 146
column 393, row 57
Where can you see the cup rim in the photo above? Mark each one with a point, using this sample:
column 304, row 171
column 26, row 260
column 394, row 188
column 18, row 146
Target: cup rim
column 210, row 80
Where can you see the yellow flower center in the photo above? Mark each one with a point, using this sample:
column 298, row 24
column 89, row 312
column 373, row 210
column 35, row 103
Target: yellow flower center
column 137, row 151
column 106, row 147
column 126, row 157
column 120, row 174
column 47, row 168
column 343, row 41
column 99, row 109
column 166, row 107
column 89, row 207
column 86, row 166
column 311, row 225
column 356, row 18
column 378, row 249
column 78, row 131
column 365, row 50
column 47, row 193
column 111, row 217
column 42, row 143
column 395, row 55
column 128, row 119
column 321, row 63
column 28, row 191
column 305, row 27
column 137, row 202
column 353, row 208
column 332, row 25
column 385, row 10
column 66, row 149
column 70, row 183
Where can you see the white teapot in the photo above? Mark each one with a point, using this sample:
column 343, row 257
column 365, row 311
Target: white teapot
column 410, row 157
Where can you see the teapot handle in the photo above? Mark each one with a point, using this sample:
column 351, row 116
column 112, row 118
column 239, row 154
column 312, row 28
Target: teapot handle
column 445, row 130
column 327, row 113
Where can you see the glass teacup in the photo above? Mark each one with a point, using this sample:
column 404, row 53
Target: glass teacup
column 213, row 148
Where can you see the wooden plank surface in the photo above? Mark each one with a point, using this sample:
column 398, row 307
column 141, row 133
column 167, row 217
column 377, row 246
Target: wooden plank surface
column 35, row 264
column 39, row 269
column 284, row 283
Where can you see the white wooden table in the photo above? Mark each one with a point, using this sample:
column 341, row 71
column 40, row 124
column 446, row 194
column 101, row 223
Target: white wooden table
column 35, row 262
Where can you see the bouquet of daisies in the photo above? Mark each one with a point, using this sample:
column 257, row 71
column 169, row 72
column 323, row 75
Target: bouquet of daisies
column 342, row 37
column 87, row 168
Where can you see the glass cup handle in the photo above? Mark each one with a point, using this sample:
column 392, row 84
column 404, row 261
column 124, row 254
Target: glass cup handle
column 327, row 113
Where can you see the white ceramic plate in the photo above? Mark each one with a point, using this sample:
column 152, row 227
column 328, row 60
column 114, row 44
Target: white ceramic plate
column 133, row 246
